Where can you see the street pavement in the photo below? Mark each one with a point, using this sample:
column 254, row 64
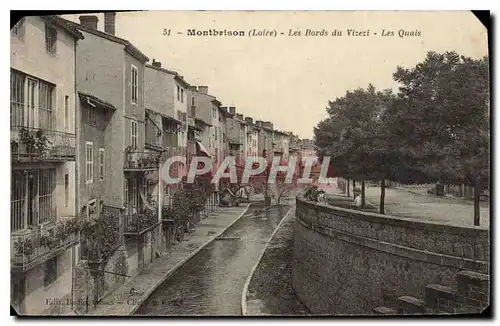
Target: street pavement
column 405, row 203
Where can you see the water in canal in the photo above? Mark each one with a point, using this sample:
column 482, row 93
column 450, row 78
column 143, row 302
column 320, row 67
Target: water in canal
column 211, row 283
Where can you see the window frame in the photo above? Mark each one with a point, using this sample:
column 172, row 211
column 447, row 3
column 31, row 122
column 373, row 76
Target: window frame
column 66, row 112
column 134, row 91
column 66, row 190
column 19, row 29
column 102, row 163
column 50, row 40
column 136, row 136
column 89, row 163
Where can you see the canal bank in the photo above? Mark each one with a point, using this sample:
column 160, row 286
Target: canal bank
column 211, row 283
column 128, row 298
column 268, row 290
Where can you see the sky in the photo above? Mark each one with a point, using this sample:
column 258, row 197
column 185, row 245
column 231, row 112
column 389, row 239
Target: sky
column 289, row 80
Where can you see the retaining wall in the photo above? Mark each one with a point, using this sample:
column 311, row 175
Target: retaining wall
column 348, row 262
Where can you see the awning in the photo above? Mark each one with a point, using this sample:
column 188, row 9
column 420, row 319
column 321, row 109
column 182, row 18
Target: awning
column 201, row 149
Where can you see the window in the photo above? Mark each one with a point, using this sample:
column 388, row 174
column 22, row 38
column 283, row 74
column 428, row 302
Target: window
column 45, row 99
column 66, row 112
column 178, row 93
column 89, row 161
column 66, row 190
column 32, row 198
column 92, row 115
column 135, row 84
column 182, row 95
column 50, row 39
column 134, row 134
column 192, row 101
column 18, row 29
column 17, row 98
column 31, row 101
column 50, row 271
column 101, row 163
column 92, row 211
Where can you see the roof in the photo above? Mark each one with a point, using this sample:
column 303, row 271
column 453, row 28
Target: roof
column 62, row 24
column 176, row 75
column 129, row 47
column 281, row 132
column 163, row 115
column 202, row 121
column 97, row 100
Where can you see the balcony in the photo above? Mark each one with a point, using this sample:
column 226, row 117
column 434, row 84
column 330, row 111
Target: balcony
column 138, row 223
column 35, row 144
column 141, row 161
column 278, row 148
column 30, row 247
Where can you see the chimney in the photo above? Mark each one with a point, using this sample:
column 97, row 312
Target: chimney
column 258, row 123
column 267, row 124
column 192, row 88
column 232, row 110
column 203, row 89
column 109, row 22
column 156, row 63
column 89, row 21
column 249, row 120
column 239, row 116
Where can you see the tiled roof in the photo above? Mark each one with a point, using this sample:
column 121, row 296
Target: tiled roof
column 129, row 47
column 171, row 72
column 63, row 24
column 97, row 100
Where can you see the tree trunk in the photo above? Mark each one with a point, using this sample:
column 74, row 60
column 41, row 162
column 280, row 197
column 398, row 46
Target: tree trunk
column 477, row 191
column 353, row 183
column 363, row 200
column 348, row 185
column 382, row 196
column 460, row 191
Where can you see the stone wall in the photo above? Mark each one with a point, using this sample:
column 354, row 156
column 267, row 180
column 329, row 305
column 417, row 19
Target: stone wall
column 348, row 262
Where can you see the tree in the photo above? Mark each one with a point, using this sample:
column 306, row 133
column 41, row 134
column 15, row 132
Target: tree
column 442, row 120
column 351, row 136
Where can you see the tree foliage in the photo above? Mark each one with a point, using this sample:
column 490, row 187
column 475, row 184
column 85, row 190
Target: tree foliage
column 435, row 129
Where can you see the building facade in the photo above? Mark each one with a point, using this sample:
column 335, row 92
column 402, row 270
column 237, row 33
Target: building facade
column 43, row 147
column 116, row 169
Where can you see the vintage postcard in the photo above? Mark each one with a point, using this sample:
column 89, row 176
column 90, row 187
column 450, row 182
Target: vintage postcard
column 250, row 163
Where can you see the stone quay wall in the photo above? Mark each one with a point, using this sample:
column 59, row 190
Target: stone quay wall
column 348, row 262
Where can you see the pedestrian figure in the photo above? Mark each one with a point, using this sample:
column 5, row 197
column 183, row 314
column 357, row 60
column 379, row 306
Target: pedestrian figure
column 356, row 203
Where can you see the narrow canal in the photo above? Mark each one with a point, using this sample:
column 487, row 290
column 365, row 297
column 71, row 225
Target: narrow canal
column 211, row 283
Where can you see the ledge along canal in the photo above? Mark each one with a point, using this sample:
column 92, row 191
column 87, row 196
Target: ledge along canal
column 212, row 281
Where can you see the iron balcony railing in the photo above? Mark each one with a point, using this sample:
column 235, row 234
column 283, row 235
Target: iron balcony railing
column 30, row 247
column 142, row 161
column 138, row 223
column 42, row 144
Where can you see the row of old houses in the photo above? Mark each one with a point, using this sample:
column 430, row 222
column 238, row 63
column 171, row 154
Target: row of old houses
column 91, row 121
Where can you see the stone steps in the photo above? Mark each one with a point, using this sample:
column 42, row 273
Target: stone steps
column 471, row 295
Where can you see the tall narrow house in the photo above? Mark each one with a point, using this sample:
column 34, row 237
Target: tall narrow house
column 43, row 148
column 115, row 167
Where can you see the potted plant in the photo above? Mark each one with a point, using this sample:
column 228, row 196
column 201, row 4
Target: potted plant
column 23, row 247
column 14, row 147
column 41, row 142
